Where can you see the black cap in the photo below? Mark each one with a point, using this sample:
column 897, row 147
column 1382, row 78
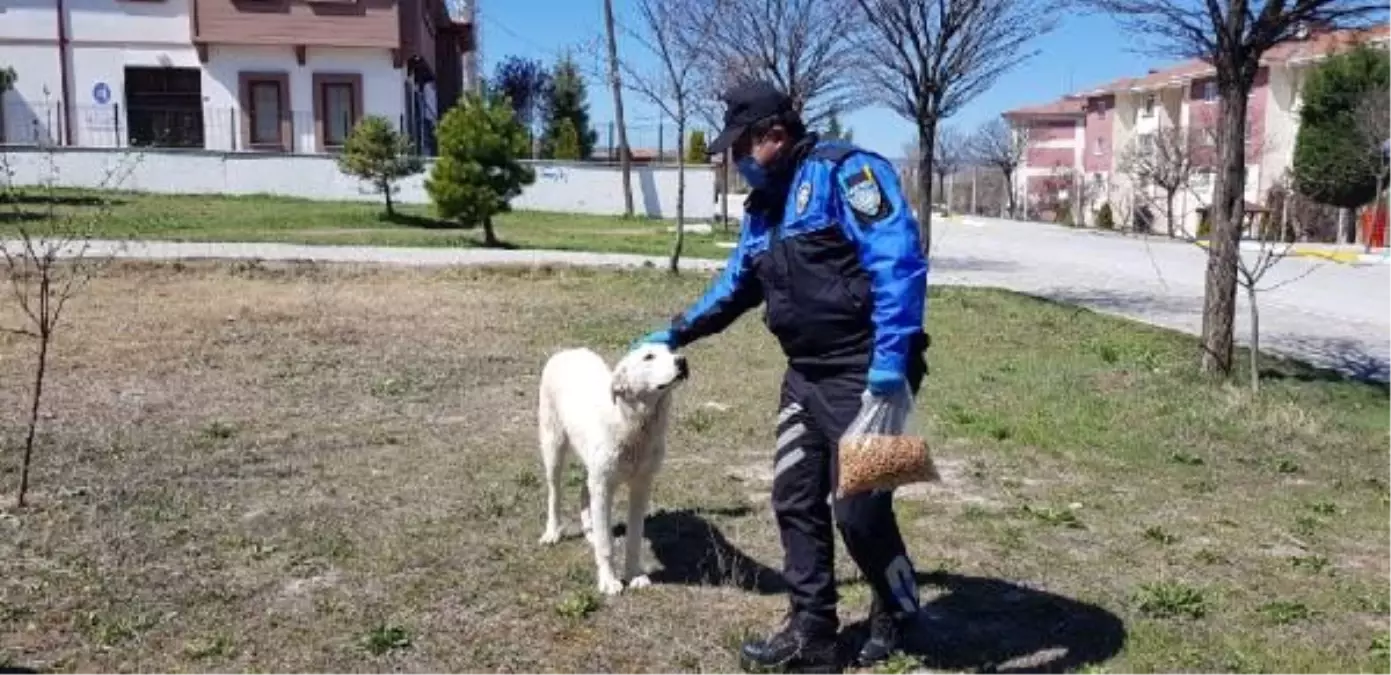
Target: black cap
column 746, row 104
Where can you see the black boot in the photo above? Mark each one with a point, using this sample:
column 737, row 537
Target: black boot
column 800, row 647
column 885, row 636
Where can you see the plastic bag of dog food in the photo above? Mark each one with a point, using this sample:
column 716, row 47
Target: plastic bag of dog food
column 877, row 452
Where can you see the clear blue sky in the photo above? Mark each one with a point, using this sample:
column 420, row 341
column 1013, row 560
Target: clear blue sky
column 1083, row 51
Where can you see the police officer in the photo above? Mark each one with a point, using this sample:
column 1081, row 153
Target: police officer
column 830, row 245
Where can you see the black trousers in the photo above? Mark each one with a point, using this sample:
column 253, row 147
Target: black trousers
column 814, row 411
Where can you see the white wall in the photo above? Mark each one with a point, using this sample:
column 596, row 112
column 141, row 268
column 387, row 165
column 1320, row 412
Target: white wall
column 570, row 188
column 28, row 19
column 110, row 21
column 27, row 109
column 383, row 89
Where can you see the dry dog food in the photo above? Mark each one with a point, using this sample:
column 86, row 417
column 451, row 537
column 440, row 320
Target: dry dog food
column 880, row 461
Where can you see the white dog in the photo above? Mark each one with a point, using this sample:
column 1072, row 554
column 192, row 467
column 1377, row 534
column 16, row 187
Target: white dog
column 616, row 422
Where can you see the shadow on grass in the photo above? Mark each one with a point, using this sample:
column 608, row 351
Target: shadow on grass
column 1342, row 361
column 33, row 198
column 422, row 222
column 21, row 216
column 980, row 624
column 975, row 623
column 16, row 670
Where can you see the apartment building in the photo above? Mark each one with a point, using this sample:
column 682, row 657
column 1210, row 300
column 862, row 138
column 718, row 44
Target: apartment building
column 1076, row 144
column 230, row 75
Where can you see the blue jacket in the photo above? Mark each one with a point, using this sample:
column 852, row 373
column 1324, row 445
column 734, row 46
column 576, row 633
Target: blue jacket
column 835, row 254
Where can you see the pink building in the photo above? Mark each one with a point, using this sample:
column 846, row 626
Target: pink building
column 1076, row 144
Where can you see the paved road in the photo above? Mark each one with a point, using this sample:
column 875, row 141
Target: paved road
column 1327, row 313
column 1331, row 314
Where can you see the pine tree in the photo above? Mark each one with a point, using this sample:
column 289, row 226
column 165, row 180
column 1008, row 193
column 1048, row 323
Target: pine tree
column 695, row 149
column 567, row 142
column 377, row 153
column 1333, row 164
column 478, row 171
column 566, row 99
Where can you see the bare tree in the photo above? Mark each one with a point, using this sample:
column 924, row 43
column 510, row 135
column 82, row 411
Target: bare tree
column 616, row 83
column 1372, row 118
column 49, row 259
column 950, row 149
column 925, row 59
column 1232, row 36
column 999, row 145
column 798, row 45
column 671, row 32
column 1163, row 159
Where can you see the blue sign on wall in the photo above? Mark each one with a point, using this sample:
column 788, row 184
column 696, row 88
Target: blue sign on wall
column 101, row 93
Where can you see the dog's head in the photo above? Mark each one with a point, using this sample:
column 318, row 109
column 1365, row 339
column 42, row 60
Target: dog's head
column 647, row 372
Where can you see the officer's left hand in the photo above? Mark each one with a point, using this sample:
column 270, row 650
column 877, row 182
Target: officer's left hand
column 884, row 383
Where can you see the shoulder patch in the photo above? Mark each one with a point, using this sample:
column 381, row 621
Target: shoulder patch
column 803, row 196
column 864, row 194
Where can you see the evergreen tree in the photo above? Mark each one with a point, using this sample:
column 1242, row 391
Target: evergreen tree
column 377, row 153
column 567, row 142
column 695, row 149
column 478, row 172
column 1333, row 163
column 566, row 99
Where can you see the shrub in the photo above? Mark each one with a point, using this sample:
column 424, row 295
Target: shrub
column 377, row 153
column 1104, row 219
column 1205, row 225
column 567, row 141
column 695, row 149
column 478, row 172
column 1065, row 214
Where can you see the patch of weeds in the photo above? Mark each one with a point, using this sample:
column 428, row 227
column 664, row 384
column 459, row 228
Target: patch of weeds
column 1240, row 662
column 1283, row 612
column 1287, row 466
column 527, row 479
column 1377, row 604
column 1210, row 557
column 1168, row 599
column 1053, row 516
column 1381, row 646
column 218, row 430
column 699, row 420
column 1307, row 526
column 1157, row 534
column 1092, row 669
column 219, row 647
column 114, row 632
column 575, row 476
column 1011, row 538
column 975, row 512
column 385, row 638
column 14, row 613
column 1324, row 508
column 1203, row 486
column 578, row 605
column 1313, row 564
column 393, row 387
column 899, row 662
column 1108, row 353
column 1000, row 432
column 1186, row 459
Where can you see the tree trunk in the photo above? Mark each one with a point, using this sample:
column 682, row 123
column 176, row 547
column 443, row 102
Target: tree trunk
column 624, row 160
column 1009, row 193
column 489, row 236
column 386, row 188
column 1228, row 211
column 1255, row 339
column 680, row 191
column 45, row 334
column 927, row 138
column 1169, row 211
column 1345, row 218
column 1376, row 212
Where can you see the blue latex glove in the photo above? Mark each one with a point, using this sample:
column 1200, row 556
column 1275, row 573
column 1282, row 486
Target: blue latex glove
column 885, row 382
column 656, row 337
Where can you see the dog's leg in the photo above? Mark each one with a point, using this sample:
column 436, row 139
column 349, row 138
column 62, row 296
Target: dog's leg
column 553, row 445
column 586, row 525
column 601, row 508
column 639, row 497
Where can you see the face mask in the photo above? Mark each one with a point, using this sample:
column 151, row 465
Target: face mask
column 752, row 172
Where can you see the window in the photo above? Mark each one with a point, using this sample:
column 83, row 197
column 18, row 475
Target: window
column 1209, row 90
column 1149, row 106
column 1097, row 147
column 337, row 108
column 265, row 99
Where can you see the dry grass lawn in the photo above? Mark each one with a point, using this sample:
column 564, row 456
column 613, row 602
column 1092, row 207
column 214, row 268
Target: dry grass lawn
column 299, row 468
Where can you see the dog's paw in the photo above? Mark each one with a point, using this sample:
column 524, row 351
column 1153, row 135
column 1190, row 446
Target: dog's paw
column 639, row 582
column 610, row 586
column 550, row 537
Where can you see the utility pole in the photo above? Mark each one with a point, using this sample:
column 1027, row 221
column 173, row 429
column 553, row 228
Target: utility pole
column 973, row 189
